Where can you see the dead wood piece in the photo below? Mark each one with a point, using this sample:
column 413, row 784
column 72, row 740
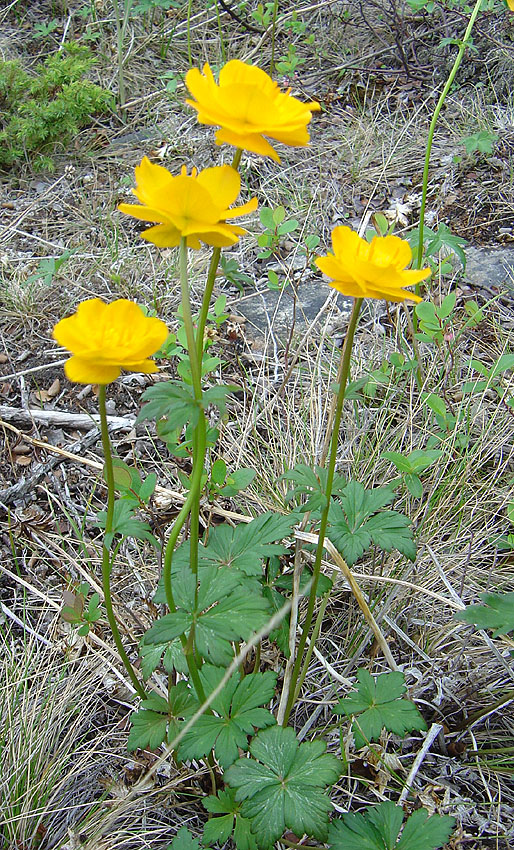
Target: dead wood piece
column 81, row 421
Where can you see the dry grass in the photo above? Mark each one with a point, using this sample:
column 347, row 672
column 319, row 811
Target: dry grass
column 66, row 778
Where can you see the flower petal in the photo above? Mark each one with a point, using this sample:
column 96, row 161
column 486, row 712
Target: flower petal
column 222, row 183
column 144, row 213
column 239, row 73
column 162, row 235
column 390, row 251
column 82, row 371
column 151, row 179
column 248, row 105
column 252, row 142
column 74, row 333
column 145, row 366
column 189, row 205
column 104, row 338
column 235, row 212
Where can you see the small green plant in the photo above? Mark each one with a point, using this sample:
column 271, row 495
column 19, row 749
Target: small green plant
column 435, row 323
column 263, row 14
column 295, row 24
column 145, row 6
column 75, row 610
column 481, row 142
column 288, row 63
column 42, row 29
column 378, row 703
column 276, row 226
column 224, row 483
column 491, row 378
column 233, row 274
column 412, row 465
column 48, row 268
column 43, row 112
column 171, row 81
column 439, row 246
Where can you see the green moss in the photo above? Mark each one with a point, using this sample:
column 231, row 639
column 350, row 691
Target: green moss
column 43, row 112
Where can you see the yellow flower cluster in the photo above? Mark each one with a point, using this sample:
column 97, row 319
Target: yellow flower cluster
column 249, row 108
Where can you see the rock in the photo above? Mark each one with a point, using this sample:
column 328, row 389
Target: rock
column 271, row 310
column 490, row 267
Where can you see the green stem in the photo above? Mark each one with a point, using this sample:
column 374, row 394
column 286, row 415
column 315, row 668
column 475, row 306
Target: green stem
column 211, row 277
column 312, row 644
column 346, row 355
column 431, row 131
column 199, row 441
column 220, row 32
column 106, row 560
column 192, row 504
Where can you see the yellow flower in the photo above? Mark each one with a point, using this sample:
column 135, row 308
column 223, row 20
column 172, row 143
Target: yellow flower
column 194, row 206
column 106, row 338
column 510, row 4
column 248, row 105
column 370, row 270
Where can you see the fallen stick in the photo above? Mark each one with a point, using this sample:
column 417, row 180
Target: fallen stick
column 81, row 421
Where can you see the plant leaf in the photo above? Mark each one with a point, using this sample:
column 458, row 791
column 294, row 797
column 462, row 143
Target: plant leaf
column 379, row 703
column 173, row 400
column 496, row 612
column 282, row 785
column 125, row 523
column 218, row 829
column 184, row 841
column 245, row 546
column 378, row 827
column 354, row 523
column 238, row 709
column 222, row 610
column 157, row 719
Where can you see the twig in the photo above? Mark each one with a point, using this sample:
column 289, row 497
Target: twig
column 33, row 369
column 27, row 484
column 432, row 734
column 64, row 420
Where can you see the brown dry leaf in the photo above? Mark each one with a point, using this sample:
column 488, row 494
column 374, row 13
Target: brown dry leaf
column 23, row 460
column 3, row 358
column 21, row 449
column 42, row 396
column 54, row 388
